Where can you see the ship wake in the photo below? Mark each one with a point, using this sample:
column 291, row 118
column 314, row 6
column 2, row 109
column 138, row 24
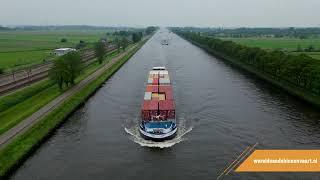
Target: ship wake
column 183, row 129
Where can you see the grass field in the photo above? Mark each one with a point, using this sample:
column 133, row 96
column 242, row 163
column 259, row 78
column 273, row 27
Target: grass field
column 286, row 44
column 289, row 44
column 21, row 48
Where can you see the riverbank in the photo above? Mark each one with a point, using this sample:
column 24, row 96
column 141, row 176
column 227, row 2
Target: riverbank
column 284, row 85
column 14, row 154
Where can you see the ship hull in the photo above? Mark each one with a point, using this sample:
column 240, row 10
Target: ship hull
column 158, row 137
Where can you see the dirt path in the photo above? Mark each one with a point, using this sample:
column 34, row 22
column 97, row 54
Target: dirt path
column 24, row 125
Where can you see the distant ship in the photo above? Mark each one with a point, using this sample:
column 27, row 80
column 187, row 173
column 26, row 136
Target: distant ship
column 158, row 115
column 165, row 42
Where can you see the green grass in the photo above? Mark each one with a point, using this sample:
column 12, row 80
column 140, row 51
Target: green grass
column 14, row 154
column 20, row 59
column 289, row 44
column 16, row 107
column 315, row 55
column 16, row 114
column 21, row 95
column 21, row 48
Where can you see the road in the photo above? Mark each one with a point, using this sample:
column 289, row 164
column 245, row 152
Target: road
column 221, row 110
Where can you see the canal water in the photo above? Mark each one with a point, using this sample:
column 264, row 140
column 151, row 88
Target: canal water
column 221, row 111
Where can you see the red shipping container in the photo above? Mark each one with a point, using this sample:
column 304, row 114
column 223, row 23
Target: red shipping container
column 150, row 105
column 167, row 90
column 152, row 88
column 155, row 81
column 149, row 109
column 166, row 105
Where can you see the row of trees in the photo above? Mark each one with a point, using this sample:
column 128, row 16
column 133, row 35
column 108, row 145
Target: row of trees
column 301, row 70
column 65, row 69
column 301, row 33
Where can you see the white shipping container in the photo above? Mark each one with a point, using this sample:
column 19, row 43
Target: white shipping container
column 163, row 72
column 166, row 76
column 154, row 72
column 150, row 80
column 164, row 81
column 147, row 95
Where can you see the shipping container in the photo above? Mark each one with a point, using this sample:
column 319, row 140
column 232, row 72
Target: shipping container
column 150, row 105
column 155, row 81
column 147, row 96
column 166, row 105
column 167, row 90
column 154, row 72
column 162, row 96
column 164, row 81
column 163, row 72
column 152, row 88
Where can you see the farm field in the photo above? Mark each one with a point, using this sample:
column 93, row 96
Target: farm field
column 22, row 48
column 286, row 44
column 289, row 44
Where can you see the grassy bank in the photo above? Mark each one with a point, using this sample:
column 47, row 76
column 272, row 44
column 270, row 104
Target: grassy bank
column 288, row 87
column 15, row 153
column 16, row 106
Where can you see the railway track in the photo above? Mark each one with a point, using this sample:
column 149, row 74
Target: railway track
column 25, row 77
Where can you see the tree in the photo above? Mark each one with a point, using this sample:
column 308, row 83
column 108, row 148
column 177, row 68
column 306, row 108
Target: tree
column 100, row 51
column 301, row 71
column 64, row 40
column 299, row 49
column 65, row 69
column 117, row 43
column 150, row 29
column 136, row 37
column 124, row 43
column 81, row 44
column 310, row 48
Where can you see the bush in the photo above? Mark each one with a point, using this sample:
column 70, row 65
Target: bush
column 64, row 40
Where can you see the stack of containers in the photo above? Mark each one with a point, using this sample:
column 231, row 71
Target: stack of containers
column 166, row 106
column 167, row 109
column 164, row 77
column 167, row 90
column 158, row 98
column 149, row 109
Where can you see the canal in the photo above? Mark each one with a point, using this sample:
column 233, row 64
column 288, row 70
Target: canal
column 221, row 110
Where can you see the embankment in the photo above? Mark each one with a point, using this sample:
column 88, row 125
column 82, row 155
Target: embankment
column 283, row 84
column 15, row 153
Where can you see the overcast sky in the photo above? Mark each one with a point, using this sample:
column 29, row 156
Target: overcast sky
column 221, row 13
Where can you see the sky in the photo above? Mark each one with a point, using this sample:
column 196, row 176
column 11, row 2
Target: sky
column 201, row 13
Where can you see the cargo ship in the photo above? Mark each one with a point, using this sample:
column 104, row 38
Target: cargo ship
column 158, row 115
column 165, row 42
